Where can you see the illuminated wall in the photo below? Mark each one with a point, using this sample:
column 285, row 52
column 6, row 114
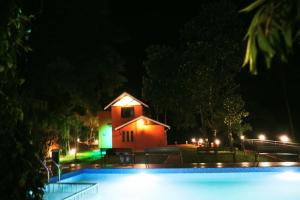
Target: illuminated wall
column 105, row 136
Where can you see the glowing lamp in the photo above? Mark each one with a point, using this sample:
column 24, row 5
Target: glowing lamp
column 200, row 141
column 72, row 151
column 242, row 137
column 262, row 137
column 78, row 139
column 284, row 138
column 141, row 122
column 96, row 141
column 217, row 142
column 193, row 140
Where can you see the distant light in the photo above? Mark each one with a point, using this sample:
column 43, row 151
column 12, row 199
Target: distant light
column 288, row 163
column 96, row 141
column 72, row 151
column 78, row 139
column 200, row 141
column 193, row 140
column 262, row 137
column 219, row 165
column 242, row 137
column 217, row 142
column 284, row 138
column 264, row 164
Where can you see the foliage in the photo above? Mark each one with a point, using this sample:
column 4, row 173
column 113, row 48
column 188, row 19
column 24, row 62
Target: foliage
column 273, row 31
column 234, row 115
column 193, row 82
column 21, row 177
column 160, row 85
column 71, row 94
column 91, row 121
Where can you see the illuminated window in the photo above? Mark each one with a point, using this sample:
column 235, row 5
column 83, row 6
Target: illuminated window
column 123, row 136
column 127, row 112
column 131, row 136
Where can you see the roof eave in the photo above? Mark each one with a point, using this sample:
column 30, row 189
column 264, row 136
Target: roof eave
column 122, row 95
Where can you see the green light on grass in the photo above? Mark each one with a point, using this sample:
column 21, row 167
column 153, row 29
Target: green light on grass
column 105, row 136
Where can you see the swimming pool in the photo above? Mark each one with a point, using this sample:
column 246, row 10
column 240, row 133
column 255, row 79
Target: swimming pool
column 192, row 183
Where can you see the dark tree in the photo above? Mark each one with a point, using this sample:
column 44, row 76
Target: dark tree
column 21, row 177
column 193, row 81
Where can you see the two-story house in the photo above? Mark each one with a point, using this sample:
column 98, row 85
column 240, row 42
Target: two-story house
column 125, row 126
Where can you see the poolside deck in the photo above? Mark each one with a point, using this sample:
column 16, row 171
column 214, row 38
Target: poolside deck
column 73, row 167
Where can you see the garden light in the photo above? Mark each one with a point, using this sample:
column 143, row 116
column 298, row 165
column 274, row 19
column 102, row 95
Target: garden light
column 242, row 137
column 262, row 137
column 72, row 151
column 200, row 141
column 217, row 142
column 193, row 140
column 284, row 138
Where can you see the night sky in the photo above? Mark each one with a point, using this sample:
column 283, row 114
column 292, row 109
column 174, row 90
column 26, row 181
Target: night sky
column 73, row 29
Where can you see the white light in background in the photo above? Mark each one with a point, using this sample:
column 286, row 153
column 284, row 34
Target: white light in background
column 193, row 140
column 262, row 137
column 284, row 138
column 200, row 141
column 264, row 164
column 217, row 142
column 288, row 163
column 72, row 151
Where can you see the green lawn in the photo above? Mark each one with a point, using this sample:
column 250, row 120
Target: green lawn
column 82, row 157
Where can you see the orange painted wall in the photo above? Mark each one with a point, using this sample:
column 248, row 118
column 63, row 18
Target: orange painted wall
column 104, row 117
column 144, row 136
column 116, row 115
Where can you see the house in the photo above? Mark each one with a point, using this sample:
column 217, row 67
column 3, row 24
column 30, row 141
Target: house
column 125, row 126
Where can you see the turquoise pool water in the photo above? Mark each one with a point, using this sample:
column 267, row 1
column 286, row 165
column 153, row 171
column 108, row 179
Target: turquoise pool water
column 208, row 184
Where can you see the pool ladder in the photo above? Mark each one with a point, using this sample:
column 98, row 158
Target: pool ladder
column 44, row 164
column 58, row 169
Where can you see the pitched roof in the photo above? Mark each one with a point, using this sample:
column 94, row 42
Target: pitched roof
column 127, row 100
column 142, row 117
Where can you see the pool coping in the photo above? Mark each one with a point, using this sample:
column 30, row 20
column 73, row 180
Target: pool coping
column 174, row 170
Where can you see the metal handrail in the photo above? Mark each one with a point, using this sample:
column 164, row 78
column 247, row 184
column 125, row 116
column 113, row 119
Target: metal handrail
column 81, row 194
column 58, row 167
column 67, row 187
column 47, row 169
